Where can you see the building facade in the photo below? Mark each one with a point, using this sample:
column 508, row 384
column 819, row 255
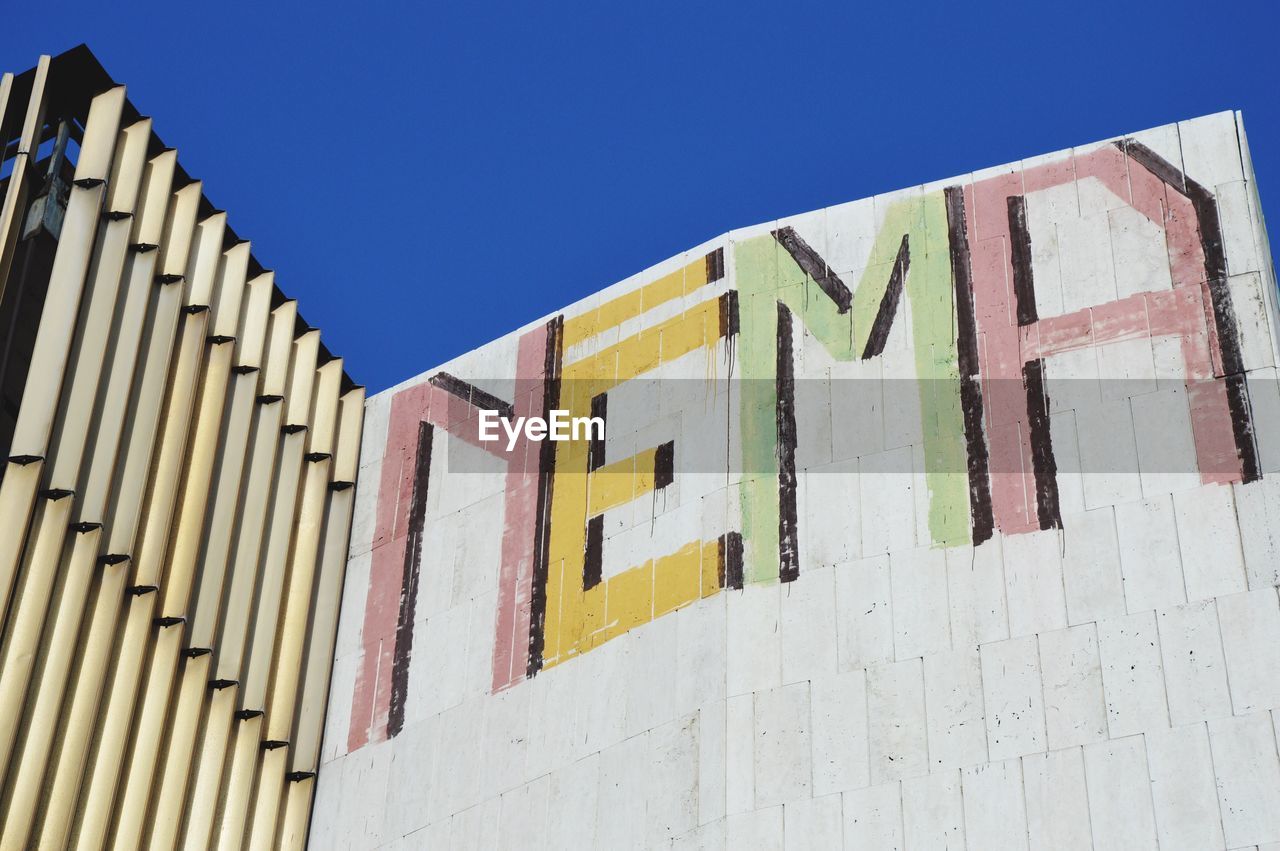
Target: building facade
column 942, row 519
column 176, row 500
column 947, row 518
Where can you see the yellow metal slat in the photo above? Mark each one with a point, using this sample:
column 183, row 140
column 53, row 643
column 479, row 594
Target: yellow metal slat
column 268, row 800
column 162, row 825
column 57, row 659
column 103, row 772
column 281, row 526
column 67, row 279
column 255, row 320
column 75, row 732
column 233, row 275
column 297, row 814
column 87, row 682
column 280, row 532
column 141, row 420
column 256, row 505
column 242, row 504
column 102, row 301
column 153, row 540
column 202, row 800
column 303, row 561
column 322, row 633
column 29, row 612
column 67, row 451
column 128, row 809
column 17, row 502
column 245, row 754
column 186, row 543
column 174, row 595
column 256, row 498
column 15, row 197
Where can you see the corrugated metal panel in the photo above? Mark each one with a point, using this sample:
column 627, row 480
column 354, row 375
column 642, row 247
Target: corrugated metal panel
column 173, row 506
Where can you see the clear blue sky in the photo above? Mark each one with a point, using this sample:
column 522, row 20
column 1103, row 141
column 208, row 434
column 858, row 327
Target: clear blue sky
column 425, row 177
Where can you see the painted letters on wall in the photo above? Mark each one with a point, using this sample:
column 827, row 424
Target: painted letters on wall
column 953, row 270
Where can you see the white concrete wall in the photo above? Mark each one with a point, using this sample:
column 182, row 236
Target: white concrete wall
column 1111, row 684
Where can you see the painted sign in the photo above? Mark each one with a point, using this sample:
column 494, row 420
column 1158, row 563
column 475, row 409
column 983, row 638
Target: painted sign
column 954, row 265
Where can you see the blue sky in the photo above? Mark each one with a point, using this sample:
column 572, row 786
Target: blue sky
column 426, row 177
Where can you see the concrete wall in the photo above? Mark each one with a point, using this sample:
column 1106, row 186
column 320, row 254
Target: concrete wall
column 965, row 537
